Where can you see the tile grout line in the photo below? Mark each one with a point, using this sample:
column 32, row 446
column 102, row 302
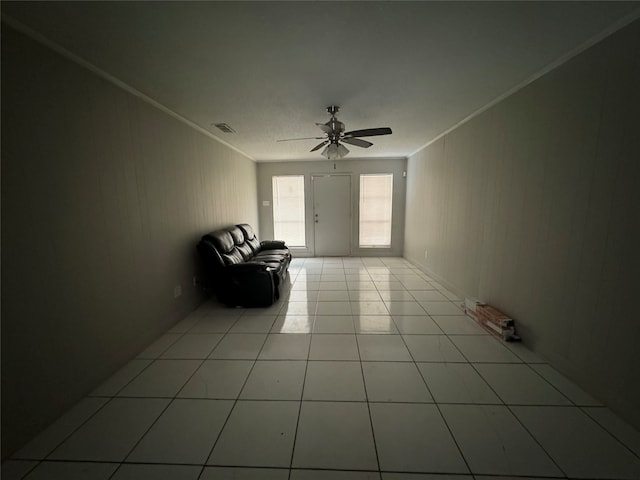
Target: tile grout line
column 504, row 404
column 171, row 399
column 175, row 396
column 615, row 437
column 366, row 394
column 508, row 407
column 285, row 299
column 534, row 437
column 304, row 380
column 235, row 402
column 110, row 399
column 401, row 402
column 442, row 417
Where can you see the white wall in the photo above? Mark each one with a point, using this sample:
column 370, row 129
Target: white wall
column 104, row 198
column 355, row 168
column 533, row 206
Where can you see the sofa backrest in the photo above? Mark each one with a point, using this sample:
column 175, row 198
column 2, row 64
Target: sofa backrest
column 224, row 243
column 229, row 245
column 249, row 236
column 209, row 252
column 240, row 242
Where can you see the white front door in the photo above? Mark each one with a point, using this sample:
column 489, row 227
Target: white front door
column 332, row 215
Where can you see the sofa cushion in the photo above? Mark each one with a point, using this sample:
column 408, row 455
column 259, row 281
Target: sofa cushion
column 250, row 236
column 281, row 253
column 209, row 253
column 270, row 257
column 237, row 234
column 248, row 230
column 246, row 251
column 254, row 243
column 232, row 257
column 222, row 240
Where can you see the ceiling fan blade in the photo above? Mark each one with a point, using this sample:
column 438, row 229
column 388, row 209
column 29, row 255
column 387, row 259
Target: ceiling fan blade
column 325, row 128
column 369, row 132
column 319, row 146
column 305, row 138
column 357, row 142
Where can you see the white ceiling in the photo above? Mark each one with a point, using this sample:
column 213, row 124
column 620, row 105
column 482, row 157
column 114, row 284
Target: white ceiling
column 270, row 69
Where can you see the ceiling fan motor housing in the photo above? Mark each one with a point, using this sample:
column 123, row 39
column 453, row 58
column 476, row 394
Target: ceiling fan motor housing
column 336, row 126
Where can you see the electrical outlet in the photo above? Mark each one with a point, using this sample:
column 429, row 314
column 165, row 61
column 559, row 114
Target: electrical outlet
column 425, row 253
column 177, row 291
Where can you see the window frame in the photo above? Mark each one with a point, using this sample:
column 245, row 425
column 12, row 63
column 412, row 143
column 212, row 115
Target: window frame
column 388, row 221
column 275, row 206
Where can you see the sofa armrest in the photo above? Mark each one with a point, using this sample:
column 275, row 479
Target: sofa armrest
column 250, row 284
column 272, row 245
column 247, row 267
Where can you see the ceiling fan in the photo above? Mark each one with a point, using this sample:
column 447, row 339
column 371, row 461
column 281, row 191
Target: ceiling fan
column 335, row 136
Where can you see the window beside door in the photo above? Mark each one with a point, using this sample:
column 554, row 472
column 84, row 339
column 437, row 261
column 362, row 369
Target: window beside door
column 288, row 209
column 376, row 193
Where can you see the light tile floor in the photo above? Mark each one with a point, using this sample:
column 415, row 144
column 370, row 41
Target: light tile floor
column 365, row 369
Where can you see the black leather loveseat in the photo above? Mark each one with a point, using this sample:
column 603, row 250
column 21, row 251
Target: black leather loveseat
column 242, row 270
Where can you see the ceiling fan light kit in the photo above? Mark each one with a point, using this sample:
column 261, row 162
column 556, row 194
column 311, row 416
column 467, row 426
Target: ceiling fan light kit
column 334, row 134
column 335, row 151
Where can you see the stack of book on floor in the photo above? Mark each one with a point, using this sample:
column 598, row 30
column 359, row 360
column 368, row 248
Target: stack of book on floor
column 491, row 319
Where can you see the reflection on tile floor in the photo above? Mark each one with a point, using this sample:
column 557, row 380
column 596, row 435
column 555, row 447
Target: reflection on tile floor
column 365, row 369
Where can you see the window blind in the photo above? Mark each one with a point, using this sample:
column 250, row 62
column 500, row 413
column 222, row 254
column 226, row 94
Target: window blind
column 376, row 193
column 288, row 209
